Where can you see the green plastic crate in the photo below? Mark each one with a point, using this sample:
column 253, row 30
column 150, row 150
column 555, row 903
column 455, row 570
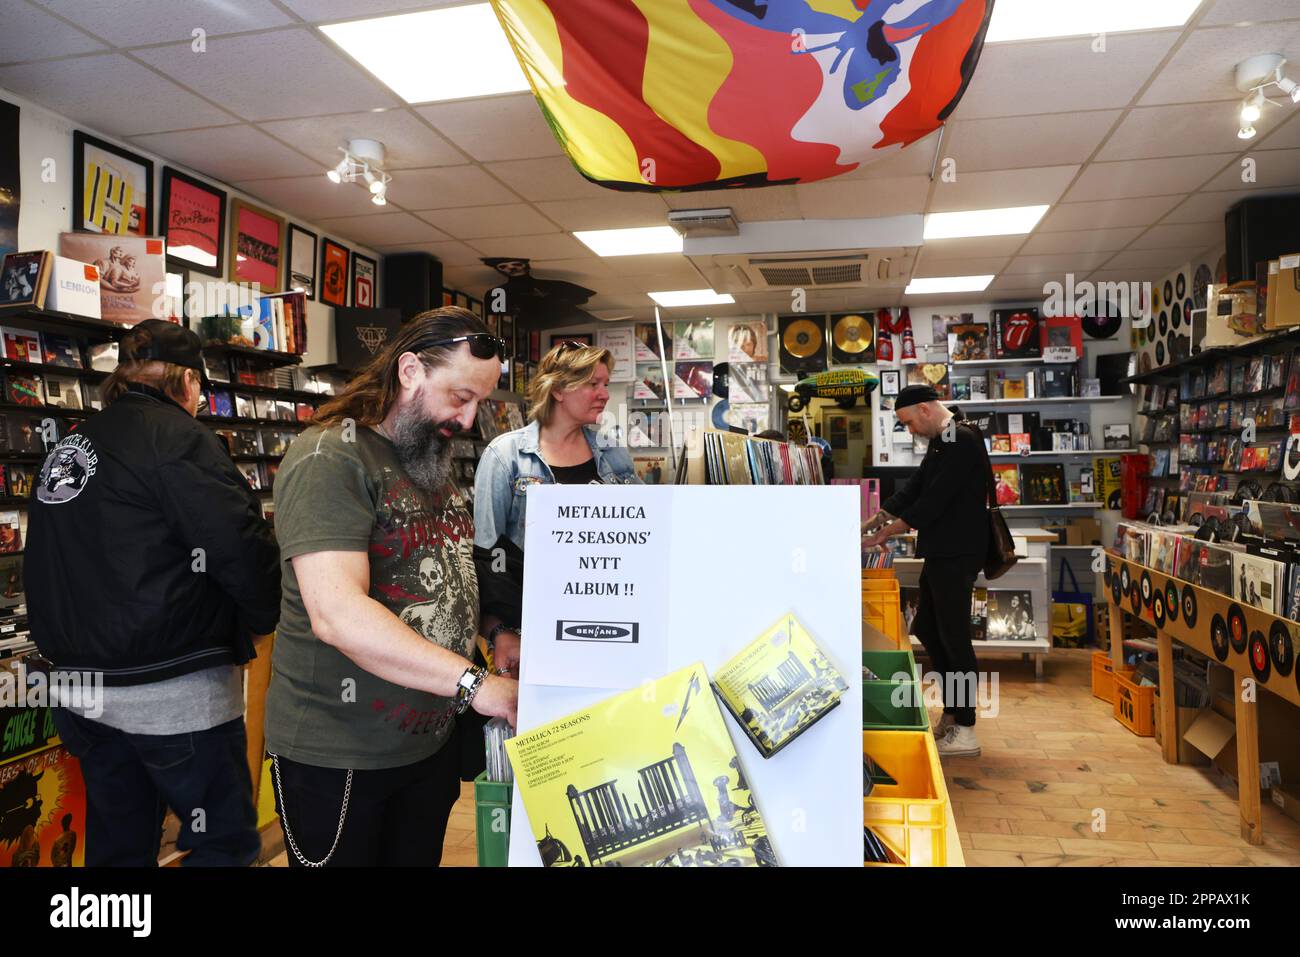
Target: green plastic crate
column 492, row 820
column 892, row 705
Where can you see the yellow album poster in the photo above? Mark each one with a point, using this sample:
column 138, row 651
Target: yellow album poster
column 779, row 686
column 646, row 778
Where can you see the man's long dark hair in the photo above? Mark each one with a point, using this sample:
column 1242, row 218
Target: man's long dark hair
column 369, row 395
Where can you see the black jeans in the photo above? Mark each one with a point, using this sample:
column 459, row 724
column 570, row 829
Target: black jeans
column 396, row 817
column 942, row 624
column 131, row 780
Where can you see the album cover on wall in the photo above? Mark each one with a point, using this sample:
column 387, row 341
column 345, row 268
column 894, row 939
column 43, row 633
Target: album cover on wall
column 1016, row 334
column 934, row 374
column 693, row 340
column 1006, row 480
column 1011, row 615
column 802, row 341
column 1043, row 484
column 853, row 338
column 968, row 341
column 649, row 384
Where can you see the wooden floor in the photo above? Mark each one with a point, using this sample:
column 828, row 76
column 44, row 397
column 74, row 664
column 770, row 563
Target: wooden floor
column 1055, row 756
column 1052, row 758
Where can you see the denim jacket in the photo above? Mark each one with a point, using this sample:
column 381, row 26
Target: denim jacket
column 511, row 463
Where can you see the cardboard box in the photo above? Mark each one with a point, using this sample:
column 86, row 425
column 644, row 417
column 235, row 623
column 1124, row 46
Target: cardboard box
column 1083, row 531
column 1209, row 732
column 1284, row 301
column 1270, row 299
column 1186, row 753
column 74, row 288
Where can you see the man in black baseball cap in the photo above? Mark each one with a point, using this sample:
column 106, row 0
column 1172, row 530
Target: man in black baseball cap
column 945, row 501
column 149, row 572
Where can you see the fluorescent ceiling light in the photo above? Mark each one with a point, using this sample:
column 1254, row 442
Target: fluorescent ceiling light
column 631, row 242
column 948, row 284
column 445, row 54
column 691, row 297
column 1035, row 19
column 1013, row 221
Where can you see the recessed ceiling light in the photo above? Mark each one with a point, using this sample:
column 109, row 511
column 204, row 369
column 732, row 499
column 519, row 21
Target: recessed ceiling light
column 691, row 297
column 948, row 284
column 1036, row 19
column 1013, row 221
column 640, row 241
column 445, row 54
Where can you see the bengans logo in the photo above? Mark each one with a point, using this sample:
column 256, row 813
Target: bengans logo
column 603, row 632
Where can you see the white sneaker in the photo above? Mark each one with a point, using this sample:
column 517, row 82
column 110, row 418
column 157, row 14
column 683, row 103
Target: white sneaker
column 959, row 742
column 941, row 729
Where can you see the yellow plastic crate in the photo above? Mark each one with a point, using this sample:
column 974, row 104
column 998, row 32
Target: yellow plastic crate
column 1134, row 705
column 881, row 608
column 911, row 815
column 1103, row 676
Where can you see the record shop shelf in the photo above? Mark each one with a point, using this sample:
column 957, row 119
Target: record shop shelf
column 910, row 815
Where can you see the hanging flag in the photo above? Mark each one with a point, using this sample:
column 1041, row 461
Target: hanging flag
column 701, row 94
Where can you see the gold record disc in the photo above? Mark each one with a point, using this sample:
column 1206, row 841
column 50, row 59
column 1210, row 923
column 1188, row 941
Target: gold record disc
column 802, row 338
column 852, row 334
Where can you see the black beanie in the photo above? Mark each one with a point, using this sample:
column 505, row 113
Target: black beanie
column 915, row 395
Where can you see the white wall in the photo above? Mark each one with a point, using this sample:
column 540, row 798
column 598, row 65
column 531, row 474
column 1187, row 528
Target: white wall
column 46, row 208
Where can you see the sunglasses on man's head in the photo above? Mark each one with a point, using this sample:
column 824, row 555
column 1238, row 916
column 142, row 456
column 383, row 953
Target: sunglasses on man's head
column 481, row 345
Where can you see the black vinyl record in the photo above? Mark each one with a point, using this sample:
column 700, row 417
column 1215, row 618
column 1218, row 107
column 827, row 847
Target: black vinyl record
column 1171, row 601
column 1176, row 314
column 1260, row 663
column 1105, row 575
column 1146, row 589
column 1188, row 308
column 1181, row 287
column 1176, row 319
column 1169, row 293
column 1160, row 353
column 1189, row 606
column 1158, row 608
column 1162, row 323
column 1116, row 593
column 1281, row 648
column 1200, row 285
column 1219, row 637
column 1102, row 326
column 1124, row 579
column 1135, row 598
column 1237, row 633
column 1291, row 459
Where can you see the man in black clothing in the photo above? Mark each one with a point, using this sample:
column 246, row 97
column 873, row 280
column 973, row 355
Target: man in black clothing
column 149, row 572
column 946, row 502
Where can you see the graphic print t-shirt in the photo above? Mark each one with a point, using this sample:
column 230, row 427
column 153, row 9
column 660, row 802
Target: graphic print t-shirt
column 354, row 496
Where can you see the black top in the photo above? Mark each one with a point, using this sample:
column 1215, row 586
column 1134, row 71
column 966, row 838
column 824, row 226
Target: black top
column 946, row 499
column 583, row 474
column 147, row 555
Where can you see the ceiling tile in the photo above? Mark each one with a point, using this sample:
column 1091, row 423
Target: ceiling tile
column 495, row 127
column 1272, row 169
column 1061, row 263
column 1285, row 136
column 973, row 248
column 1081, row 241
column 545, row 246
column 916, row 159
column 549, row 178
column 1211, row 207
column 996, row 189
column 1015, row 79
column 383, row 229
column 478, row 222
column 267, row 76
column 127, row 23
column 615, row 211
column 1169, row 236
column 449, row 253
column 749, row 205
column 30, row 34
column 324, row 11
column 1107, row 214
column 863, row 199
column 105, row 92
column 1153, row 177
column 634, row 267
column 1241, row 11
column 1145, row 274
column 1186, row 130
column 312, row 197
column 229, row 153
column 1201, row 70
column 1017, row 141
column 408, row 141
column 1148, row 259
column 446, row 187
column 932, row 268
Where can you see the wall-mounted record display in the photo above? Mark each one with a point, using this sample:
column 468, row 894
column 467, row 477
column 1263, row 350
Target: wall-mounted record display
column 1171, row 601
column 1169, row 292
column 1281, row 649
column 853, row 338
column 1105, row 324
column 1162, row 323
column 1180, row 286
column 1200, row 285
column 802, row 340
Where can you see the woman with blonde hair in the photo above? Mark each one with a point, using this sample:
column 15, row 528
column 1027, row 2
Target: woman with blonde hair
column 560, row 445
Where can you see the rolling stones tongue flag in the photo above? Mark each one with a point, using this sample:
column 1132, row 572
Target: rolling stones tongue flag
column 698, row 94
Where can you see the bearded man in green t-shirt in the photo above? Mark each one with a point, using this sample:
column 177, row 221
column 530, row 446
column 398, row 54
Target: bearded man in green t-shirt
column 380, row 612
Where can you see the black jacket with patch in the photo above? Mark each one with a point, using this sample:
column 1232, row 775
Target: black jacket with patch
column 146, row 555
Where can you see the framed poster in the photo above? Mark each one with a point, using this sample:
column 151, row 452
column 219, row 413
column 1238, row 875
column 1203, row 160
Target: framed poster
column 112, row 189
column 256, row 246
column 333, row 273
column 300, row 254
column 363, row 281
column 193, row 222
column 24, row 278
column 130, row 268
column 889, row 381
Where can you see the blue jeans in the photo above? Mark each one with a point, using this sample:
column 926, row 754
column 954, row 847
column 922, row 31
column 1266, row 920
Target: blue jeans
column 131, row 780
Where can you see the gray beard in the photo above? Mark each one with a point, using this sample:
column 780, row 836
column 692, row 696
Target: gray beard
column 424, row 454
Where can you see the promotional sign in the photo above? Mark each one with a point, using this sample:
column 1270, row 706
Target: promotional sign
column 619, row 343
column 625, row 585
